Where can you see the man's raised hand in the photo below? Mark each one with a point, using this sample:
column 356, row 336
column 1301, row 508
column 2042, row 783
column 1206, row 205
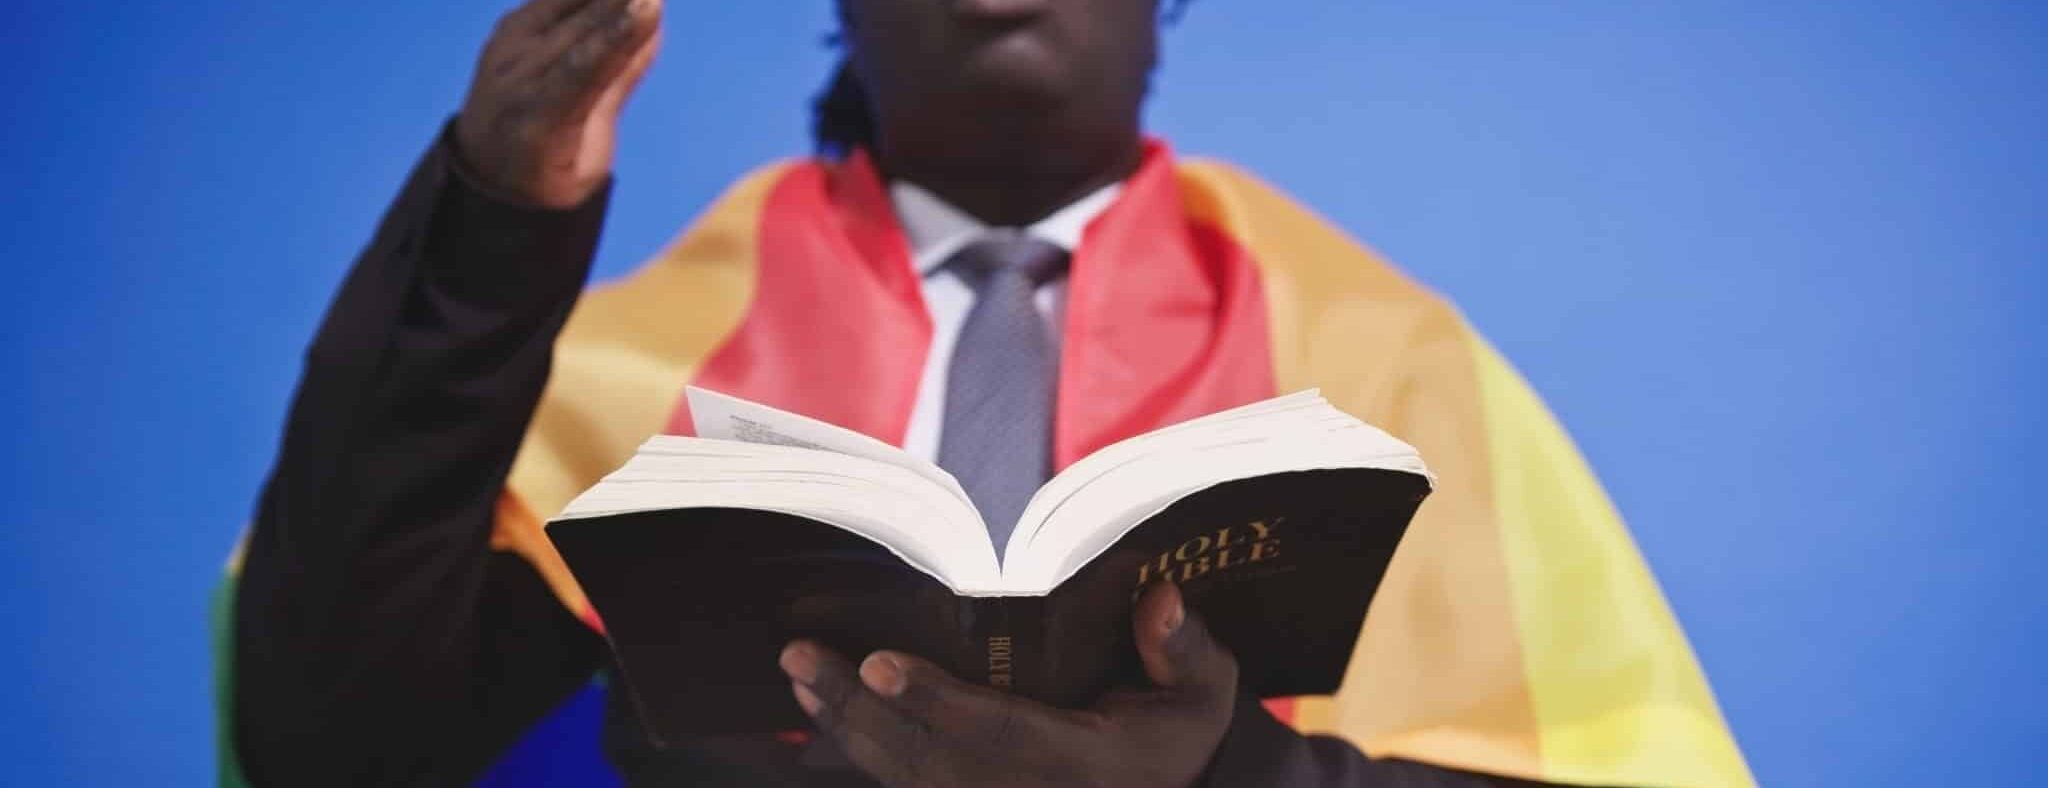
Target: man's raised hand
column 541, row 119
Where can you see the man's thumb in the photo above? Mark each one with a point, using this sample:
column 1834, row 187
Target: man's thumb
column 1174, row 644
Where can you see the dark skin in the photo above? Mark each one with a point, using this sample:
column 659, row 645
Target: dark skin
column 1009, row 109
column 908, row 724
column 541, row 119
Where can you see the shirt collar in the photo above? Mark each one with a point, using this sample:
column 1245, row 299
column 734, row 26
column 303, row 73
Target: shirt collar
column 936, row 228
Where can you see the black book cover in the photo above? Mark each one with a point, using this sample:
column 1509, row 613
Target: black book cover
column 698, row 603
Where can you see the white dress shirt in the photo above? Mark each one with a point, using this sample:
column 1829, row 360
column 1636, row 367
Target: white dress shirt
column 936, row 229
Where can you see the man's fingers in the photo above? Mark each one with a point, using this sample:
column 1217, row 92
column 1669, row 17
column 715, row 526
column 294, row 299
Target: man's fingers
column 614, row 97
column 535, row 16
column 583, row 55
column 605, row 25
column 1175, row 645
column 1158, row 615
column 824, row 684
column 883, row 741
column 636, row 67
column 971, row 715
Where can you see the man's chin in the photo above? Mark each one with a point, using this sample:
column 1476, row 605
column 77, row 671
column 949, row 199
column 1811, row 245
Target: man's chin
column 1014, row 72
column 1010, row 94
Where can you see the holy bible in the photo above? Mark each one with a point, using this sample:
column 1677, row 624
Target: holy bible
column 704, row 555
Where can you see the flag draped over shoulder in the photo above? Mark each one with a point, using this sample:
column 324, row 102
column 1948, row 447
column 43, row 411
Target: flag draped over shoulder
column 1518, row 630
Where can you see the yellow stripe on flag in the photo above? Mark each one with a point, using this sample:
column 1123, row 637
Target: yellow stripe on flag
column 1438, row 672
column 1517, row 632
column 1618, row 695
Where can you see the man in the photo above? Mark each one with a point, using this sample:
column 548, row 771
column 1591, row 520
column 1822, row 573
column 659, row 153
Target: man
column 993, row 267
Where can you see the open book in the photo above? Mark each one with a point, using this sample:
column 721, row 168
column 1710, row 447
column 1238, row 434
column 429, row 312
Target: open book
column 704, row 555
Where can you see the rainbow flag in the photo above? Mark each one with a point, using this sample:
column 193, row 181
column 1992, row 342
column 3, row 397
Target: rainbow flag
column 1518, row 631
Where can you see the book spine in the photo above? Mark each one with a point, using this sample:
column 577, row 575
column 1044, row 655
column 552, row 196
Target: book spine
column 1007, row 636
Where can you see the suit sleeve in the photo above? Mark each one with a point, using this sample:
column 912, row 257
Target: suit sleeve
column 1260, row 750
column 378, row 639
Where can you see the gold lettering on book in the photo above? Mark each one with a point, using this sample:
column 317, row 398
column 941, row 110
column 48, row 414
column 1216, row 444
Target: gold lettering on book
column 1230, row 547
column 1000, row 651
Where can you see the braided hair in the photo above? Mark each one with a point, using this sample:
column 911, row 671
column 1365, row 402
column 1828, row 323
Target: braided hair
column 840, row 116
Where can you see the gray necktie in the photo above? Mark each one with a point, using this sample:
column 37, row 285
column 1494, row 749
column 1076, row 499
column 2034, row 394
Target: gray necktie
column 997, row 434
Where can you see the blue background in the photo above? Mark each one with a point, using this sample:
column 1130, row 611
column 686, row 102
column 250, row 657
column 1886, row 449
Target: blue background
column 1778, row 266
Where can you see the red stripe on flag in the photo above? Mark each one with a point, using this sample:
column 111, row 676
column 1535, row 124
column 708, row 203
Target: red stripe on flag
column 837, row 328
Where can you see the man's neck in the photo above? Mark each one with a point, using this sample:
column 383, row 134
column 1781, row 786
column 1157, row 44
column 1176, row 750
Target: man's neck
column 1016, row 191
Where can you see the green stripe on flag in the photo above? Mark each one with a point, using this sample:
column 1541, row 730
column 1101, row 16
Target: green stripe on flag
column 223, row 622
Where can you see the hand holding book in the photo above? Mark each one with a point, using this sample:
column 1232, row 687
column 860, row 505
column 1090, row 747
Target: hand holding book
column 906, row 722
column 705, row 555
